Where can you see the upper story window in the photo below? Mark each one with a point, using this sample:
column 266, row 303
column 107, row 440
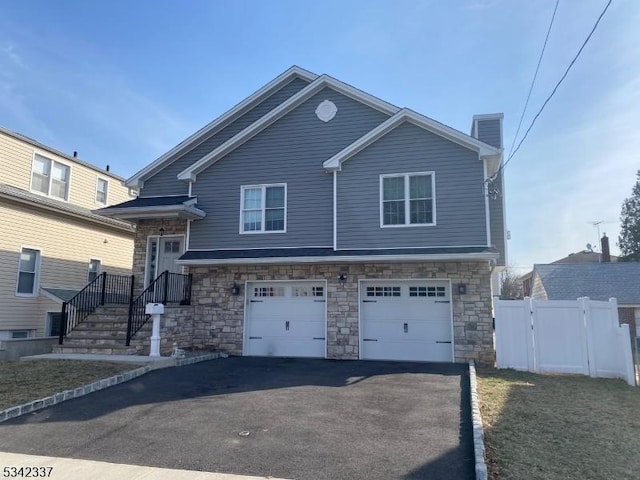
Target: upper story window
column 407, row 199
column 264, row 208
column 95, row 268
column 28, row 272
column 102, row 189
column 50, row 177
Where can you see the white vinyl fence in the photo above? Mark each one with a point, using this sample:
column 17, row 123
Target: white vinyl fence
column 573, row 336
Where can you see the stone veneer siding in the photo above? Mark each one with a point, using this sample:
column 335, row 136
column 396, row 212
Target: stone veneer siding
column 219, row 316
column 176, row 326
column 144, row 228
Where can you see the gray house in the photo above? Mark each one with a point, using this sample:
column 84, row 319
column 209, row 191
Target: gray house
column 320, row 221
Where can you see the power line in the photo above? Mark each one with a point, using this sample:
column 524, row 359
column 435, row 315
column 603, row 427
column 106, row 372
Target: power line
column 584, row 44
column 535, row 75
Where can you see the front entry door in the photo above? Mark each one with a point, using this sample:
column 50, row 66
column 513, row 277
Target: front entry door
column 162, row 254
column 170, row 250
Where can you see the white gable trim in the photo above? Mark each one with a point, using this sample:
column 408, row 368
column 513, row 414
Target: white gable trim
column 190, row 174
column 226, row 118
column 484, row 150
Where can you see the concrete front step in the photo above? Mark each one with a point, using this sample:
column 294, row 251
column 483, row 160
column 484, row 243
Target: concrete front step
column 98, row 349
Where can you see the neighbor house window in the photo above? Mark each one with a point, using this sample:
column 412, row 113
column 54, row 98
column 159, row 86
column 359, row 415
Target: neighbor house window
column 27, row 272
column 102, row 188
column 50, row 177
column 407, row 199
column 95, row 267
column 263, row 209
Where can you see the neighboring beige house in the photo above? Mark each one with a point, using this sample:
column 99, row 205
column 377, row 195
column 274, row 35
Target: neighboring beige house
column 51, row 243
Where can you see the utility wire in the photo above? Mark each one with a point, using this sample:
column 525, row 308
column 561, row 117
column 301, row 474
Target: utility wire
column 535, row 75
column 584, row 44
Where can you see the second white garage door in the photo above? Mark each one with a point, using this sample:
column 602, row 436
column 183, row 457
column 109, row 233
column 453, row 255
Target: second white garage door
column 406, row 320
column 285, row 319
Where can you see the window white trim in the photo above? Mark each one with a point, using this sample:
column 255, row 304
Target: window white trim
column 53, row 161
column 106, row 192
column 98, row 272
column 36, row 277
column 263, row 205
column 407, row 202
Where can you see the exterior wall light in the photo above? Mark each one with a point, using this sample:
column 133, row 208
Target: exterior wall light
column 462, row 288
column 235, row 289
column 162, row 231
column 342, row 278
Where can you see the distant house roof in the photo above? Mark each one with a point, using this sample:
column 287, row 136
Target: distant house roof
column 585, row 256
column 42, row 146
column 598, row 281
column 180, row 206
column 22, row 196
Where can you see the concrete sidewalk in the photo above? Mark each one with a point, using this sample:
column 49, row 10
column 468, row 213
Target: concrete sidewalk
column 153, row 362
column 71, row 469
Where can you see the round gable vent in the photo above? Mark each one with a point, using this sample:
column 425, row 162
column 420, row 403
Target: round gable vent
column 326, row 110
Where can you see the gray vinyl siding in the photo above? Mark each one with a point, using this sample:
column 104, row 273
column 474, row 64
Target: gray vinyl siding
column 165, row 182
column 496, row 215
column 460, row 206
column 290, row 151
column 489, row 132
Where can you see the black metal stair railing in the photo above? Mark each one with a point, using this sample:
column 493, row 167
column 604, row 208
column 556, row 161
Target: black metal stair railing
column 167, row 288
column 102, row 290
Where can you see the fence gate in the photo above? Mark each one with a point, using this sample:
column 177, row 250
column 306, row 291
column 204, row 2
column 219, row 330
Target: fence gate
column 579, row 336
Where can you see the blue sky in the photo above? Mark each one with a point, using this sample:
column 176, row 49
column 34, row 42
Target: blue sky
column 123, row 81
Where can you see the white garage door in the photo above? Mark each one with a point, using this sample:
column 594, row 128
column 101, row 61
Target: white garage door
column 285, row 319
column 406, row 320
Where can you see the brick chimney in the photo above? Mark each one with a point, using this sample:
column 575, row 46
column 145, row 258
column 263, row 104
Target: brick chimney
column 606, row 254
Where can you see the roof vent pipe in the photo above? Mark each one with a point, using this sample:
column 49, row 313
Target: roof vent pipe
column 107, row 168
column 75, row 154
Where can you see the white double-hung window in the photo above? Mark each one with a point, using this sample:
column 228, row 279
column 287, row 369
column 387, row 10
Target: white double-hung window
column 102, row 190
column 50, row 177
column 28, row 266
column 263, row 208
column 407, row 199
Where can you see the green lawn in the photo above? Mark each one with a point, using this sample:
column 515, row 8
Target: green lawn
column 22, row 382
column 560, row 427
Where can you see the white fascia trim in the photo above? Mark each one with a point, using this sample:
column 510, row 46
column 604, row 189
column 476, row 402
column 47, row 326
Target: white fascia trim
column 190, row 173
column 188, row 210
column 487, row 210
column 489, row 116
column 280, row 81
column 335, row 210
column 468, row 257
column 407, row 115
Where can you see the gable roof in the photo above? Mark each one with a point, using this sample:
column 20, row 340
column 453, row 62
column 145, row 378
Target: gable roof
column 485, row 151
column 222, row 121
column 598, row 281
column 252, row 130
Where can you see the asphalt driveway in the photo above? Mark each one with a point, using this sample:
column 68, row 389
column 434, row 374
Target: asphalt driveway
column 306, row 419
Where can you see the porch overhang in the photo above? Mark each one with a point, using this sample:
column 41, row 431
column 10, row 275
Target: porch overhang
column 283, row 256
column 177, row 206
